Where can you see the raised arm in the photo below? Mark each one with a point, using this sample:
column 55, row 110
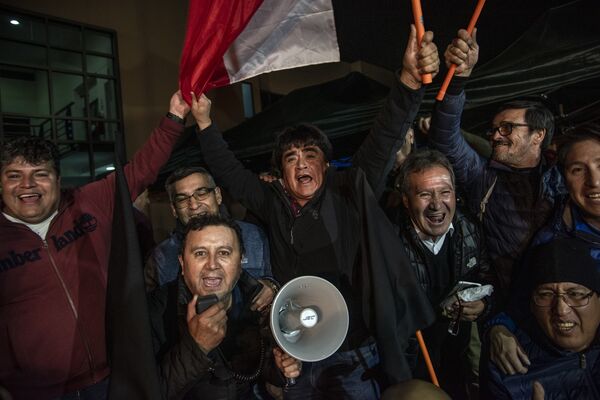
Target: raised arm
column 142, row 169
column 445, row 134
column 377, row 153
column 241, row 183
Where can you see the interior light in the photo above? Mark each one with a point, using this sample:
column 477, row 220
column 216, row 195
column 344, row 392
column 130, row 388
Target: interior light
column 110, row 168
column 14, row 22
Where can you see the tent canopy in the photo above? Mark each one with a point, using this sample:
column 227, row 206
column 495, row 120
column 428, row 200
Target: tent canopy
column 557, row 55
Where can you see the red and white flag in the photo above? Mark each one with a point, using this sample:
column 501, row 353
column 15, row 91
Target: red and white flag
column 231, row 40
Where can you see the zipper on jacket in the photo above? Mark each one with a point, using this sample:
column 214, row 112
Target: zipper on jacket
column 582, row 361
column 73, row 310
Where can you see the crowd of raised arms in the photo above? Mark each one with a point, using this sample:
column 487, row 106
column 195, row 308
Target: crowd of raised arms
column 492, row 257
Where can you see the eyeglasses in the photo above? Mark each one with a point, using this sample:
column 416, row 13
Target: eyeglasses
column 505, row 128
column 572, row 298
column 182, row 201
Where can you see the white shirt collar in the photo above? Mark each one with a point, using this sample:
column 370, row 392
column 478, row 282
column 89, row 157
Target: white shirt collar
column 436, row 245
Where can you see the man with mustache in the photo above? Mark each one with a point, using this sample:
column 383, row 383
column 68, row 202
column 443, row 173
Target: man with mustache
column 327, row 223
column 577, row 215
column 513, row 192
column 444, row 246
column 192, row 192
column 220, row 352
column 560, row 331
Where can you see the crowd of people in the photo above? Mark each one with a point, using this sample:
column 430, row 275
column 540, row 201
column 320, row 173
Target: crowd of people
column 495, row 262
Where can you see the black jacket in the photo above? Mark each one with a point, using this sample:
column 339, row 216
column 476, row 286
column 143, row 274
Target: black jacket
column 186, row 372
column 470, row 261
column 341, row 234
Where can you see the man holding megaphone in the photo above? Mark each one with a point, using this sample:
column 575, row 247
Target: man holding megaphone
column 210, row 343
column 327, row 223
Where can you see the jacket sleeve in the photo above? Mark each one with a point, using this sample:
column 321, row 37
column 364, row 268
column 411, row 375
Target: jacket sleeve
column 445, row 135
column 182, row 366
column 377, row 154
column 229, row 172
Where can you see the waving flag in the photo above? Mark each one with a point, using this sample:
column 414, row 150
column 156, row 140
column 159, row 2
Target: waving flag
column 231, row 40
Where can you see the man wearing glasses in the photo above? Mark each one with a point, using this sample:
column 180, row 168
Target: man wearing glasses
column 560, row 335
column 576, row 216
column 192, row 192
column 513, row 192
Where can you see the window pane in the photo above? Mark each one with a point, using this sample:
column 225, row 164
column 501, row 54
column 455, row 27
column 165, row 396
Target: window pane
column 23, row 54
column 67, row 95
column 24, row 91
column 98, row 41
column 74, row 165
column 247, row 100
column 67, row 129
column 102, row 99
column 63, row 35
column 104, row 131
column 60, row 59
column 104, row 159
column 27, row 28
column 99, row 65
column 23, row 126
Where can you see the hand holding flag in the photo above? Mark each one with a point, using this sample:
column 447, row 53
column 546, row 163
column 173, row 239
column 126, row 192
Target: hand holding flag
column 201, row 110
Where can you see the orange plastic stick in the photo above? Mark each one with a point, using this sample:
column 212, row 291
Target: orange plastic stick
column 420, row 25
column 450, row 74
column 425, row 352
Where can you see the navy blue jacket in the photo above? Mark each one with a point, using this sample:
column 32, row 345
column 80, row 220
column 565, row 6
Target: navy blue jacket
column 516, row 209
column 565, row 375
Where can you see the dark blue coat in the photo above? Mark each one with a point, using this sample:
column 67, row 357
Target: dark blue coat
column 565, row 375
column 516, row 209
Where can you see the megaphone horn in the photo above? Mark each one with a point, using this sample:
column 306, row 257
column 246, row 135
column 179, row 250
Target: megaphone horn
column 309, row 318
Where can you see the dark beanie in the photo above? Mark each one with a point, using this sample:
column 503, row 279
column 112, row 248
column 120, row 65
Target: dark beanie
column 565, row 260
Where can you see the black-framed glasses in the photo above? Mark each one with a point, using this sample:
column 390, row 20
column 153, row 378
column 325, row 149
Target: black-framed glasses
column 504, row 129
column 182, row 200
column 546, row 298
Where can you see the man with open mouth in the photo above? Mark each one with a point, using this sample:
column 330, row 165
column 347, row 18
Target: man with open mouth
column 444, row 246
column 560, row 333
column 54, row 262
column 221, row 351
column 192, row 193
column 327, row 223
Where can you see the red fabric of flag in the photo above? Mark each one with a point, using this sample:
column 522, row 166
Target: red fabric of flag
column 212, row 26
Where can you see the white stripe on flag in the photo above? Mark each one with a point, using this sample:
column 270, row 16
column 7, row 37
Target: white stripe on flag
column 284, row 34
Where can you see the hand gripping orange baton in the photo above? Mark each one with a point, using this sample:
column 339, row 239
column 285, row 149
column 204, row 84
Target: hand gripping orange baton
column 418, row 16
column 425, row 352
column 450, row 74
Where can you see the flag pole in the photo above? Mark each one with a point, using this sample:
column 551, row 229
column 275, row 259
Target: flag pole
column 425, row 352
column 420, row 25
column 472, row 22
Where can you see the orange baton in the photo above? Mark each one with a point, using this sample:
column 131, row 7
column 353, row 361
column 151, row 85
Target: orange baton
column 418, row 16
column 450, row 74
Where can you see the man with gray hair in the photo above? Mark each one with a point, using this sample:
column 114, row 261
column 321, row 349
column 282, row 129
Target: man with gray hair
column 444, row 247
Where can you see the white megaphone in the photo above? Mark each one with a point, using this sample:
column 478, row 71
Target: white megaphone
column 309, row 318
